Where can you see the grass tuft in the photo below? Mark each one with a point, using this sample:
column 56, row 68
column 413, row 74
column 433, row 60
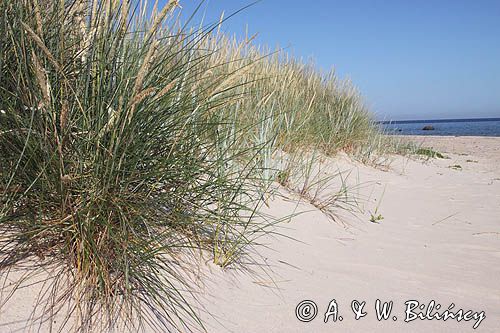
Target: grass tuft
column 117, row 164
column 429, row 152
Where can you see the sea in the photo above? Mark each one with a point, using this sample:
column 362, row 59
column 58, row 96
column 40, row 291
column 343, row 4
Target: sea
column 449, row 127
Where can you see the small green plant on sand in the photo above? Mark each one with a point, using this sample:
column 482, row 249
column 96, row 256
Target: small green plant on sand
column 376, row 217
column 283, row 177
column 429, row 152
column 455, row 167
column 411, row 148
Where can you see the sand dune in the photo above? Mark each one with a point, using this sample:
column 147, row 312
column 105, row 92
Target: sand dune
column 439, row 240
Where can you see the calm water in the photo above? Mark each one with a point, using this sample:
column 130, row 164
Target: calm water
column 453, row 127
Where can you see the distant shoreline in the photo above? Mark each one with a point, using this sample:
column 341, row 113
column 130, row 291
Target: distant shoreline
column 434, row 135
column 427, row 121
column 443, row 127
column 430, row 136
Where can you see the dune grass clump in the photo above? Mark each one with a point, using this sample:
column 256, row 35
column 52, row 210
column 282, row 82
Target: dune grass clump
column 302, row 115
column 297, row 106
column 429, row 152
column 116, row 163
column 129, row 145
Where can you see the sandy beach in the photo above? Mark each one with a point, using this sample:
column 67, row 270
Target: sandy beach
column 213, row 166
column 439, row 240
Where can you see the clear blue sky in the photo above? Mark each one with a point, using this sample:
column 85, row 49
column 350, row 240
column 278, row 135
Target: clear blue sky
column 411, row 59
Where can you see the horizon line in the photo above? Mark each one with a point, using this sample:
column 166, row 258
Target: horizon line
column 437, row 120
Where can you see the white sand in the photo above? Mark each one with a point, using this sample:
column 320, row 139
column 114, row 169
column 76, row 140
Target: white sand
column 439, row 240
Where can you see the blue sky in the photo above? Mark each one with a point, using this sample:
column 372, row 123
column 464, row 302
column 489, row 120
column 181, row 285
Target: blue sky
column 411, row 59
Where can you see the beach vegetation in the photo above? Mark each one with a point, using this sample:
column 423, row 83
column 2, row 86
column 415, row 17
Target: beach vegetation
column 131, row 146
column 429, row 152
column 455, row 167
column 376, row 217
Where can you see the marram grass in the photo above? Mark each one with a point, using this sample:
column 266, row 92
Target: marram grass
column 115, row 161
column 128, row 146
